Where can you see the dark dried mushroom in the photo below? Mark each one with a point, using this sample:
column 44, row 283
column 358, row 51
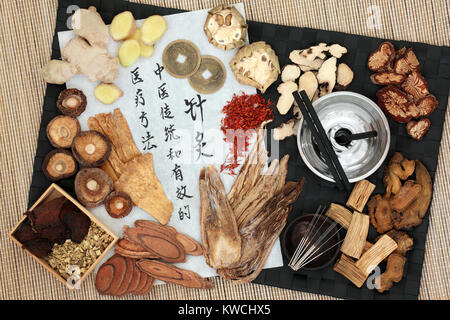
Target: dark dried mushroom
column 181, row 58
column 71, row 102
column 92, row 185
column 209, row 77
column 118, row 204
column 59, row 164
column 61, row 131
column 91, row 148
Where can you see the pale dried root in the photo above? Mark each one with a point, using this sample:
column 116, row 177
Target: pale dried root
column 129, row 52
column 107, row 93
column 146, row 51
column 122, row 26
column 153, row 28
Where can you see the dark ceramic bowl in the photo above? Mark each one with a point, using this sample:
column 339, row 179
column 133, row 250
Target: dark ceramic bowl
column 295, row 231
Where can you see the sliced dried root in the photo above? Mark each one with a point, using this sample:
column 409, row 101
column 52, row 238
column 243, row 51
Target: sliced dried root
column 122, row 26
column 153, row 28
column 107, row 93
column 129, row 52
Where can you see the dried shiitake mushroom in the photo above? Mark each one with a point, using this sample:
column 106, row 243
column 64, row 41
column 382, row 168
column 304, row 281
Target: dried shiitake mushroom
column 225, row 27
column 91, row 148
column 209, row 77
column 71, row 102
column 59, row 164
column 181, row 58
column 92, row 185
column 61, row 131
column 118, row 204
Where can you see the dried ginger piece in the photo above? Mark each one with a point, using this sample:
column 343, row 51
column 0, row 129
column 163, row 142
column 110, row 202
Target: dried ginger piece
column 380, row 213
column 398, row 168
column 394, row 272
column 405, row 196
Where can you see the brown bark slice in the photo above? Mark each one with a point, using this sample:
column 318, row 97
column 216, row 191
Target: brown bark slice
column 191, row 246
column 155, row 226
column 169, row 273
column 135, row 279
column 119, row 265
column 147, row 287
column 159, row 243
column 104, row 278
column 142, row 281
column 129, row 271
column 127, row 248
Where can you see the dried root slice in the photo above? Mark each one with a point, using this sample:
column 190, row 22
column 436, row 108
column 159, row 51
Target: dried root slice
column 427, row 105
column 327, row 76
column 356, row 236
column 386, row 78
column 158, row 242
column 337, row 50
column 209, row 77
column 127, row 248
column 308, row 82
column 290, row 72
column 344, row 76
column 127, row 277
column 346, row 267
column 287, row 129
column 286, row 99
column 416, row 86
column 377, row 253
column 91, row 148
column 181, row 58
column 153, row 28
column 58, row 71
column 71, row 102
column 146, row 51
column 394, row 272
column 380, row 213
column 297, row 57
column 225, row 27
column 61, row 131
column 407, row 62
column 104, row 278
column 399, row 168
column 190, row 246
column 120, row 265
column 92, row 185
column 382, row 58
column 340, row 214
column 122, row 26
column 118, row 204
column 107, row 93
column 360, row 195
column 406, row 195
column 170, row 273
column 59, row 164
column 314, row 52
column 417, row 129
column 129, row 52
column 404, row 241
column 395, row 104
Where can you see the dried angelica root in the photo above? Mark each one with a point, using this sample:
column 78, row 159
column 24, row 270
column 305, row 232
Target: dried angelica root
column 122, row 26
column 107, row 93
column 153, row 28
column 129, row 52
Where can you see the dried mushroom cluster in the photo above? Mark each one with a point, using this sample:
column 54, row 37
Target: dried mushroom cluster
column 225, row 27
column 82, row 254
column 406, row 95
column 321, row 75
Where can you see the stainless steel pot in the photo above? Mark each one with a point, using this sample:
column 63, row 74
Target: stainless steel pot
column 353, row 113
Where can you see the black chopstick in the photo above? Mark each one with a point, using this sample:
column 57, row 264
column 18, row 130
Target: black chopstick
column 322, row 140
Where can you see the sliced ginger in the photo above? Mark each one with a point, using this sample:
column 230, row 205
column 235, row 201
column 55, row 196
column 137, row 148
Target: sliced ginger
column 122, row 26
column 153, row 28
column 107, row 93
column 146, row 51
column 129, row 52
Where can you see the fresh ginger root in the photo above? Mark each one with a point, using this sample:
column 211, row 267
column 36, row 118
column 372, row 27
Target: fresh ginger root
column 88, row 24
column 107, row 93
column 146, row 51
column 92, row 61
column 153, row 28
column 122, row 26
column 58, row 71
column 129, row 52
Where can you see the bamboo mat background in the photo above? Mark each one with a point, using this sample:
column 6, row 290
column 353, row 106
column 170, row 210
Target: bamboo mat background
column 27, row 28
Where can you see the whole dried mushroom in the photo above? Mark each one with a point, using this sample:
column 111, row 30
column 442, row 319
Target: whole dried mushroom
column 59, row 164
column 92, row 185
column 91, row 148
column 61, row 131
column 256, row 65
column 225, row 27
column 71, row 102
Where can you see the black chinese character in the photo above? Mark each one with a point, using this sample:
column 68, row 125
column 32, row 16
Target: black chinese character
column 184, row 212
column 147, row 143
column 166, row 113
column 159, row 70
column 181, row 193
column 162, row 91
column 170, row 133
column 177, row 172
column 144, row 119
column 198, row 105
column 199, row 146
column 173, row 154
column 135, row 78
column 139, row 99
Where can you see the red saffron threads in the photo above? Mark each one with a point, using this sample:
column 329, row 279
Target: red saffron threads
column 242, row 113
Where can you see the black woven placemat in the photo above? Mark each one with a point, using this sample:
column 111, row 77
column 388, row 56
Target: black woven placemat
column 435, row 62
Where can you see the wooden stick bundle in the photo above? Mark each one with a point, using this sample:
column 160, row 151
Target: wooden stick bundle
column 356, row 236
column 377, row 253
column 360, row 195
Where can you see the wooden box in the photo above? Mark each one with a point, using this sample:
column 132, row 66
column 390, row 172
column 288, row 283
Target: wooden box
column 54, row 191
